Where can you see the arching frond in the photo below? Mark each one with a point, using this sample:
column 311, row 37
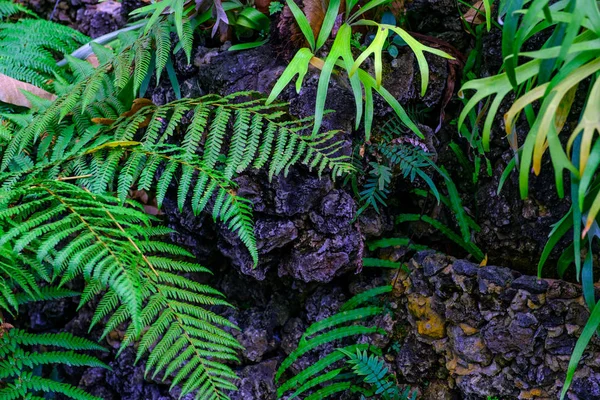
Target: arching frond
column 21, row 352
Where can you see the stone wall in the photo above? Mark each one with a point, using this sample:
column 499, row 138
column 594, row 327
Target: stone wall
column 490, row 331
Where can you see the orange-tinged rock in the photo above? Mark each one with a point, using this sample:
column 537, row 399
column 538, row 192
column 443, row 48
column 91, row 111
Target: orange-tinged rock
column 468, row 329
column 535, row 393
column 429, row 323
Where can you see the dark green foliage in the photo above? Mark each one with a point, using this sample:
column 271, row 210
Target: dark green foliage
column 77, row 233
column 30, row 46
column 323, row 376
column 397, row 155
column 23, row 353
column 373, row 371
column 248, row 133
column 67, row 171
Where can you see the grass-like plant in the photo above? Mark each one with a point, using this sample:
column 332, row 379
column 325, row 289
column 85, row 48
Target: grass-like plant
column 340, row 57
column 568, row 62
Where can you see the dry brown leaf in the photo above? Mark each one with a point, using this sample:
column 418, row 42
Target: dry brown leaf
column 476, row 14
column 103, row 121
column 137, row 105
column 315, row 13
column 93, row 60
column 484, row 262
column 140, row 195
column 10, row 92
column 152, row 210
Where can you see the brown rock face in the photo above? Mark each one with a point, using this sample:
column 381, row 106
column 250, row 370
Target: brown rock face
column 493, row 332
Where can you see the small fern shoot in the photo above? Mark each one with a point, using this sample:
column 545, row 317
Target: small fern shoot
column 372, row 370
column 347, row 323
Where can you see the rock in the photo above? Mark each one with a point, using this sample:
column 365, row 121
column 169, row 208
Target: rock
column 335, row 213
column 326, row 249
column 415, row 360
column 463, row 267
column 298, row 193
column 471, row 348
column 258, row 327
column 323, row 303
column 494, row 279
column 432, row 264
column 291, row 334
column 429, row 322
column 127, row 380
column 439, row 390
column 531, row 284
column 257, row 382
column 505, row 338
column 273, row 234
column 99, row 19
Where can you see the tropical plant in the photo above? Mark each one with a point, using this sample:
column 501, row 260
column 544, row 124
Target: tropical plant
column 68, row 232
column 373, row 371
column 328, row 377
column 410, row 161
column 340, row 56
column 568, row 62
column 245, row 19
column 67, row 169
column 60, row 219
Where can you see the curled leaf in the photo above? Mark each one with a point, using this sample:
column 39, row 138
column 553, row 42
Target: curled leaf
column 11, row 92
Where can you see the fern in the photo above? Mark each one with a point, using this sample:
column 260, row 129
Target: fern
column 79, row 233
column 29, row 46
column 20, row 277
column 9, row 9
column 373, row 371
column 403, row 157
column 95, row 158
column 19, row 361
column 330, row 330
column 376, row 188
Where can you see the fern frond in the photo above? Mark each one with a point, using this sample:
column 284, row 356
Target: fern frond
column 340, row 318
column 365, row 296
column 373, row 371
column 112, row 247
column 8, row 9
column 17, row 363
column 335, row 329
column 29, row 46
column 323, row 363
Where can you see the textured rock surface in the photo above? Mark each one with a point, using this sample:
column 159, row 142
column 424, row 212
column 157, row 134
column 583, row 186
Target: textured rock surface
column 493, row 332
column 303, row 222
column 88, row 16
